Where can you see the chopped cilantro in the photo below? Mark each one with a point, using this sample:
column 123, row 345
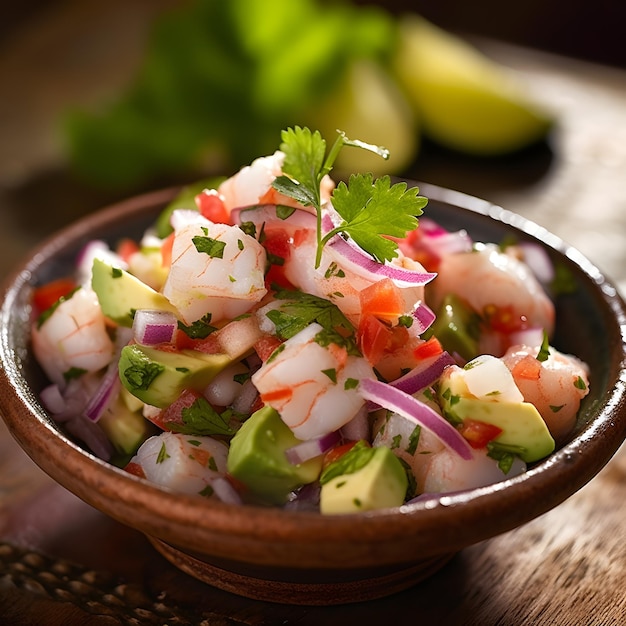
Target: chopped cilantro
column 202, row 419
column 116, row 272
column 45, row 315
column 332, row 374
column 283, row 212
column 163, row 455
column 544, row 351
column 73, row 372
column 207, row 492
column 396, row 440
column 200, row 329
column 350, row 383
column 248, row 228
column 579, row 383
column 141, row 374
column 207, row 245
column 414, row 439
column 555, row 408
column 406, row 321
column 504, row 454
column 352, row 461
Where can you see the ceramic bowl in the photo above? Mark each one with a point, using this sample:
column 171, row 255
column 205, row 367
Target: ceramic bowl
column 305, row 558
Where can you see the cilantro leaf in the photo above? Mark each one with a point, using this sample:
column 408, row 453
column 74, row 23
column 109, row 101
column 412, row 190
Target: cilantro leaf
column 373, row 210
column 202, row 419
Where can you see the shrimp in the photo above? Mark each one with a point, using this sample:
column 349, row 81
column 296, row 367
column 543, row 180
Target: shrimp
column 216, row 269
column 312, row 386
column 73, row 338
column 252, row 185
column 182, row 463
column 334, row 281
column 498, row 286
column 445, row 471
column 555, row 386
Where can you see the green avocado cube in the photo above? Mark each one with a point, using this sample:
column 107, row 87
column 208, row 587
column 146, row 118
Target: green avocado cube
column 257, row 458
column 380, row 483
column 121, row 294
column 158, row 377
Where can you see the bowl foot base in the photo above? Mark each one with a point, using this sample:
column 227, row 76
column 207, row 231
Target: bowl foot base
column 277, row 586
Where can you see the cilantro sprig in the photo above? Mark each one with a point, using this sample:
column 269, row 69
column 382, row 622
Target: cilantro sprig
column 371, row 210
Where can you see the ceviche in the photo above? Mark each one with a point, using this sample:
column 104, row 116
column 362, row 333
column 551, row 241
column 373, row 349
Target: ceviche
column 279, row 339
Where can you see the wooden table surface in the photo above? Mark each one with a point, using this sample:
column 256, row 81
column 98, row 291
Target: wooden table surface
column 62, row 562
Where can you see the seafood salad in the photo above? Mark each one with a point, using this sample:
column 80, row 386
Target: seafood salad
column 278, row 339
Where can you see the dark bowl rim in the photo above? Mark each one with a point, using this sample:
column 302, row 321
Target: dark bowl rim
column 562, row 474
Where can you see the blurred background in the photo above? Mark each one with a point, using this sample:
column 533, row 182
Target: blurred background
column 104, row 100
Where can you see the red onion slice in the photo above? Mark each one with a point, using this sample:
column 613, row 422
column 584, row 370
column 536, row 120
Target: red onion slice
column 361, row 263
column 151, row 327
column 306, row 450
column 423, row 317
column 400, row 402
column 424, row 375
column 105, row 393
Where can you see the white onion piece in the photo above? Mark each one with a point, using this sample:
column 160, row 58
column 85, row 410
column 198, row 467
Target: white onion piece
column 96, row 249
column 309, row 449
column 225, row 491
column 358, row 427
column 538, row 260
column 151, row 327
column 424, row 375
column 389, row 397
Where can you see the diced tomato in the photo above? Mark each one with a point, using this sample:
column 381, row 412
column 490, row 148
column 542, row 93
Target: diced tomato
column 504, row 319
column 337, row 452
column 429, row 348
column 382, row 299
column 478, row 434
column 414, row 247
column 277, row 244
column 126, row 248
column 47, row 295
column 173, row 414
column 166, row 250
column 209, row 345
column 135, row 469
column 211, row 206
column 528, row 368
column 266, row 345
column 373, row 337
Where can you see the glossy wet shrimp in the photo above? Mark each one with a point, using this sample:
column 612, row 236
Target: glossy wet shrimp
column 73, row 337
column 555, row 385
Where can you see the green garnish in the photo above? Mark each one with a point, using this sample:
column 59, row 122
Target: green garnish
column 331, row 373
column 372, row 210
column 163, row 455
column 45, row 315
column 200, row 329
column 73, row 372
column 352, row 461
column 202, row 419
column 544, row 350
column 210, row 246
column 140, row 375
column 298, row 310
column 504, row 454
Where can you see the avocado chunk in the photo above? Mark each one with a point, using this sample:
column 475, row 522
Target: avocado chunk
column 158, row 377
column 257, row 458
column 456, row 327
column 522, row 426
column 121, row 294
column 125, row 429
column 378, row 482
